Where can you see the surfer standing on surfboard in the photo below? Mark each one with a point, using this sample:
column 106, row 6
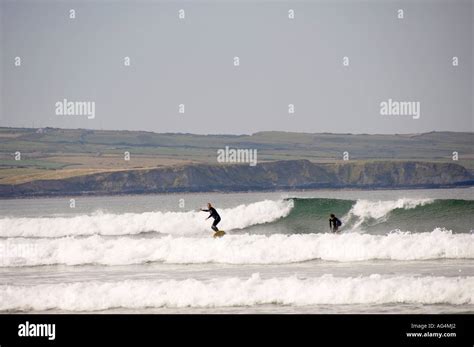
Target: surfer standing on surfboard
column 213, row 214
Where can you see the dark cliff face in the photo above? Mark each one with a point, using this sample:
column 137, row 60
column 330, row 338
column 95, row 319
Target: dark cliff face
column 401, row 174
column 292, row 174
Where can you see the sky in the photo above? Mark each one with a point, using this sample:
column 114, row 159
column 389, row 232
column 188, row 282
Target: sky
column 283, row 61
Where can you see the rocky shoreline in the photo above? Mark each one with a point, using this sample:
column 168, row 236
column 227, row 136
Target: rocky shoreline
column 266, row 176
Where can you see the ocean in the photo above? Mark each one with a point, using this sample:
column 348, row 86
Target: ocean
column 399, row 251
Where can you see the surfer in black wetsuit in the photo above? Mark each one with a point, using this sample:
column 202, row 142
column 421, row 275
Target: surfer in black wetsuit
column 334, row 223
column 213, row 214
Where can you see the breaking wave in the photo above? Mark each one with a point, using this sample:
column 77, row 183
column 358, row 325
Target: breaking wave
column 236, row 249
column 177, row 223
column 288, row 216
column 327, row 289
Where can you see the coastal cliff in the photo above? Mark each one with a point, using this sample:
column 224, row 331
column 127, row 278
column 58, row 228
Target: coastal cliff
column 277, row 175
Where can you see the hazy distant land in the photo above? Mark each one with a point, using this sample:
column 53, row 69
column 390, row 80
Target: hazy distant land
column 63, row 161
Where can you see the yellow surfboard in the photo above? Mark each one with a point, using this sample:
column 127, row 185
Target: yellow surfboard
column 219, row 233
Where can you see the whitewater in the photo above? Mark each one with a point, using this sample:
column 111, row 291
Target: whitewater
column 238, row 249
column 407, row 250
column 374, row 289
column 177, row 223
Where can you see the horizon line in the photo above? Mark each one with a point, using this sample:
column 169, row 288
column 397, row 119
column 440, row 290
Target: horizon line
column 237, row 135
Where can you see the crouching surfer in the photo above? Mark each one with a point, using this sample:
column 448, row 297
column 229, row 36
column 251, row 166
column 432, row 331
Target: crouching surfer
column 334, row 223
column 217, row 219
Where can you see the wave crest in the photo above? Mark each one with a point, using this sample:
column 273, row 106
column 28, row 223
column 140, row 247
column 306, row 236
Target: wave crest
column 177, row 223
column 237, row 249
column 327, row 289
column 366, row 210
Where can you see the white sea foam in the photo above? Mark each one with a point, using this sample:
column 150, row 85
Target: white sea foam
column 177, row 223
column 236, row 249
column 364, row 210
column 327, row 289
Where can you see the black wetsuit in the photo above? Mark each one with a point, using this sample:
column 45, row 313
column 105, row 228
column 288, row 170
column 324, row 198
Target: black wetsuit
column 215, row 215
column 334, row 224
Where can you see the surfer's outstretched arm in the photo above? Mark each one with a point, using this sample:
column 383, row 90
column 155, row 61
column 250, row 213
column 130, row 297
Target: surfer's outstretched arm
column 203, row 210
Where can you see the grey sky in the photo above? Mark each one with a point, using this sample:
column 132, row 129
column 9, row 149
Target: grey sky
column 283, row 62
